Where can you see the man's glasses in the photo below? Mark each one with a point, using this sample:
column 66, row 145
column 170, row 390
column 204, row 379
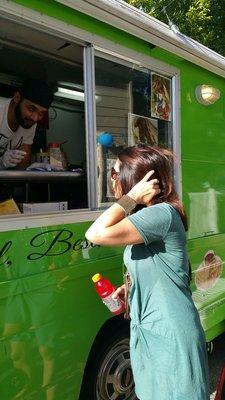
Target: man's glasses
column 114, row 174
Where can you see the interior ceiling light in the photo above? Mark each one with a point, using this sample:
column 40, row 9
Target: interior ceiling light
column 69, row 94
column 68, row 91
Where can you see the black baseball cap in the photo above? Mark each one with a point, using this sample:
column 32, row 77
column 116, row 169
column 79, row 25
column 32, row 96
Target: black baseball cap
column 38, row 92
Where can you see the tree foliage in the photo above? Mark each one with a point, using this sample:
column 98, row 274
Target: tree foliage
column 202, row 20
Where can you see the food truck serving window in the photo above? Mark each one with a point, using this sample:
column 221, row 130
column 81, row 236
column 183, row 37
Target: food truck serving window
column 133, row 105
column 51, row 173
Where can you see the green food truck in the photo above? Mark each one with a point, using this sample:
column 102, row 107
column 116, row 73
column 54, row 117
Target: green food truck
column 119, row 77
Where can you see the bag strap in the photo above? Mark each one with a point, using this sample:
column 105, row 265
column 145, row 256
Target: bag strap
column 127, row 282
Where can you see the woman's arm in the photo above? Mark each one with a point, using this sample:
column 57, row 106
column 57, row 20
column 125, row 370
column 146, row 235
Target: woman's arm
column 112, row 228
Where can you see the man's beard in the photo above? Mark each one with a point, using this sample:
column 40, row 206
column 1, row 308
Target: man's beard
column 24, row 122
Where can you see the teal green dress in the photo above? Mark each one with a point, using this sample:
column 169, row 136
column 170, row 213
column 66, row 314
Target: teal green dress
column 167, row 344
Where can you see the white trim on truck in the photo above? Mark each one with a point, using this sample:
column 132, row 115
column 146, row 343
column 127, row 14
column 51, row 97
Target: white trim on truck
column 129, row 19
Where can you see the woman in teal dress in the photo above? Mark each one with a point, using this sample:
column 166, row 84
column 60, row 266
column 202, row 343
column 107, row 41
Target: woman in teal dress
column 167, row 343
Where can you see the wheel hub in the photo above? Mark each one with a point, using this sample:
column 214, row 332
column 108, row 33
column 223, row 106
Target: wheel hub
column 123, row 377
column 115, row 378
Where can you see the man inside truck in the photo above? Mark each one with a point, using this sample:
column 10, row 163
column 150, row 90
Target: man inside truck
column 18, row 120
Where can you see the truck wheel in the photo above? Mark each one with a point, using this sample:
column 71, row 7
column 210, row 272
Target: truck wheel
column 109, row 375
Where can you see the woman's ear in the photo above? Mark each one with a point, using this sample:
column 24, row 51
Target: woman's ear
column 17, row 97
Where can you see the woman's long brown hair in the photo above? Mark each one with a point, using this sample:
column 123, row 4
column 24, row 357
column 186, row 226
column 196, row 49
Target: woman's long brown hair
column 136, row 161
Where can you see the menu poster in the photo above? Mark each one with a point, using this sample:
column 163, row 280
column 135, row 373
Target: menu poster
column 142, row 130
column 160, row 97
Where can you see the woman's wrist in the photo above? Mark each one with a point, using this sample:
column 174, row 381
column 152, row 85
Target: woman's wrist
column 131, row 194
column 127, row 203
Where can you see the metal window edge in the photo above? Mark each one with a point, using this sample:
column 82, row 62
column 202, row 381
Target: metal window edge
column 90, row 122
column 176, row 107
column 123, row 16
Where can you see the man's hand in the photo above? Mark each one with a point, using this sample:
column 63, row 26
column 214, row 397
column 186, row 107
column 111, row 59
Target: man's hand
column 11, row 158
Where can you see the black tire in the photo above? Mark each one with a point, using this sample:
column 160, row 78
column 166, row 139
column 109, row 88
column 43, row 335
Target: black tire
column 108, row 373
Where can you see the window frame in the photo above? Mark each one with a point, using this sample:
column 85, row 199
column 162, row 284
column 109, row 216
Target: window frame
column 173, row 73
column 94, row 44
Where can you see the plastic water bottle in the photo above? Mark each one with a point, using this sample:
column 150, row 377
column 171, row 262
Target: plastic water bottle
column 105, row 289
column 55, row 155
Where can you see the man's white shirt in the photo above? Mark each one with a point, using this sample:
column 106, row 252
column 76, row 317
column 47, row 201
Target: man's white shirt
column 8, row 138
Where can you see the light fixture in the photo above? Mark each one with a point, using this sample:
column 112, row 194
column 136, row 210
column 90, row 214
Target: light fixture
column 69, row 94
column 206, row 94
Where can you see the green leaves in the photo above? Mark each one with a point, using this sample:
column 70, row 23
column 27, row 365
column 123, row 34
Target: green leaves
column 202, row 20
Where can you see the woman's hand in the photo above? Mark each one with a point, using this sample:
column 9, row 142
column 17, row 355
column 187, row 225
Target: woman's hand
column 119, row 293
column 144, row 191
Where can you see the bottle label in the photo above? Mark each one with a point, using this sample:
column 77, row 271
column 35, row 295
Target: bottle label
column 112, row 304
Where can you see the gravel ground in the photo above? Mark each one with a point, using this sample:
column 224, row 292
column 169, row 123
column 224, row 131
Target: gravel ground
column 216, row 362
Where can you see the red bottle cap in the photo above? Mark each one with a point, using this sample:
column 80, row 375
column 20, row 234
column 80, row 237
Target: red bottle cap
column 54, row 145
